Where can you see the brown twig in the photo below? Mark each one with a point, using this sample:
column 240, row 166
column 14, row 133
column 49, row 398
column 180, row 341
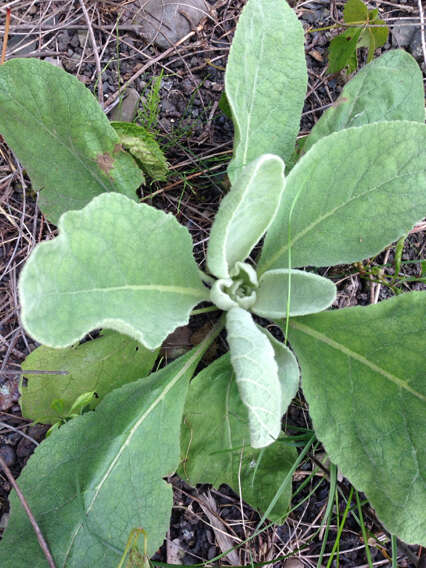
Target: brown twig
column 422, row 29
column 5, row 37
column 39, row 535
column 95, row 53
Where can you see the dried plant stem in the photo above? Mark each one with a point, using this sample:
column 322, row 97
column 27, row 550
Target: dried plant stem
column 6, row 35
column 422, row 29
column 95, row 53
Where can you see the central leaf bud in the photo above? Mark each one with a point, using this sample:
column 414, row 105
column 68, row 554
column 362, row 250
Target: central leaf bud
column 238, row 290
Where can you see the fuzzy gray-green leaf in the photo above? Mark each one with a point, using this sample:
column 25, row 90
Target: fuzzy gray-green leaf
column 309, row 293
column 256, row 372
column 116, row 265
column 351, row 195
column 101, row 475
column 245, row 213
column 288, row 370
column 388, row 88
column 265, row 82
column 58, row 130
column 363, row 375
column 215, row 443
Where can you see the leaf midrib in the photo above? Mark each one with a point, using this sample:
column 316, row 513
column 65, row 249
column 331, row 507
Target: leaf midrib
column 69, row 148
column 128, row 439
column 325, row 216
column 401, row 383
column 136, row 287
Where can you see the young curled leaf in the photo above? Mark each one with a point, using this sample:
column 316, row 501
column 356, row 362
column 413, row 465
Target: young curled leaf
column 288, row 370
column 256, row 373
column 245, row 213
column 309, row 293
column 215, row 442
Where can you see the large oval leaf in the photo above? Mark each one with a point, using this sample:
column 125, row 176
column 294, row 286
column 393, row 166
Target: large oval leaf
column 352, row 194
column 265, row 82
column 117, row 265
column 256, row 371
column 245, row 214
column 363, row 375
column 101, row 365
column 101, row 475
column 215, row 443
column 58, row 130
column 309, row 293
column 388, row 88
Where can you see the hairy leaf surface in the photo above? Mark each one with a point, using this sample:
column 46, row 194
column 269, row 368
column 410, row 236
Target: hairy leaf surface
column 256, row 372
column 100, row 476
column 117, row 265
column 388, row 88
column 265, row 82
column 215, row 442
column 100, row 365
column 58, row 130
column 288, row 370
column 363, row 376
column 309, row 293
column 352, row 194
column 245, row 213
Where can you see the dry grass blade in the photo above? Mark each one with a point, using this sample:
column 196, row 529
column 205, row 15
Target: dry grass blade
column 209, row 507
column 422, row 29
column 95, row 52
column 6, row 35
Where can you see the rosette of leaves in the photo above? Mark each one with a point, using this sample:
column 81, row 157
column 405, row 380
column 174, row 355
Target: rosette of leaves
column 128, row 267
column 244, row 216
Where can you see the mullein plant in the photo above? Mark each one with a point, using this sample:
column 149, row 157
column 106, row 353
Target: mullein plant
column 355, row 185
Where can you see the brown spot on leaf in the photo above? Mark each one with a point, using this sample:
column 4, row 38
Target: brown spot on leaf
column 117, row 148
column 340, row 101
column 106, row 162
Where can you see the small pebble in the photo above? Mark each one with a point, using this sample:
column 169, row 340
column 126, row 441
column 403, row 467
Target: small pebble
column 8, row 455
column 212, row 552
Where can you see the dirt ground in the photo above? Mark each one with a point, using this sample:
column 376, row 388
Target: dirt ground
column 197, row 139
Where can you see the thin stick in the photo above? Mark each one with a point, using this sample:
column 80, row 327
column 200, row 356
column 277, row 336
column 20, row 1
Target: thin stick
column 36, row 372
column 95, row 53
column 9, row 427
column 422, row 29
column 40, row 537
column 5, row 37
